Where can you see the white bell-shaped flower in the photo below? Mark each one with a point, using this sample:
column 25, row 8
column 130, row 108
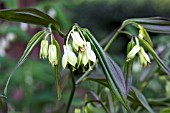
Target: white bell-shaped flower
column 144, row 59
column 133, row 52
column 68, row 57
column 44, row 49
column 52, row 55
column 90, row 54
column 77, row 38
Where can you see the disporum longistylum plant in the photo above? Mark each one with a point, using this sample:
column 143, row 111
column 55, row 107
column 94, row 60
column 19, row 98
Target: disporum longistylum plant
column 83, row 54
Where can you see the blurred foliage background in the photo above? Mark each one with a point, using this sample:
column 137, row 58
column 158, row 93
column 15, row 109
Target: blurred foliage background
column 32, row 88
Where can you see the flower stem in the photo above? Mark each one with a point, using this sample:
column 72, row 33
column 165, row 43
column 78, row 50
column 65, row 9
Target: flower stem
column 113, row 38
column 72, row 92
column 126, row 22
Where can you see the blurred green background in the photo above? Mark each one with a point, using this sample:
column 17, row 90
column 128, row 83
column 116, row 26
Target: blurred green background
column 32, row 88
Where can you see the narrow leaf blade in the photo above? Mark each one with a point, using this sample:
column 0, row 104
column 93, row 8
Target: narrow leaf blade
column 104, row 62
column 139, row 98
column 155, row 56
column 30, row 15
column 153, row 24
column 32, row 43
column 57, row 68
column 118, row 75
column 128, row 75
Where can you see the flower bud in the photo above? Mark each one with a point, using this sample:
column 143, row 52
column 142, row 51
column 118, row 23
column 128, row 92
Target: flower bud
column 77, row 38
column 144, row 59
column 141, row 32
column 130, row 45
column 44, row 49
column 145, row 54
column 52, row 52
column 133, row 52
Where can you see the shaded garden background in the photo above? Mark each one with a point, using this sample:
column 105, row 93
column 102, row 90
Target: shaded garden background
column 32, row 88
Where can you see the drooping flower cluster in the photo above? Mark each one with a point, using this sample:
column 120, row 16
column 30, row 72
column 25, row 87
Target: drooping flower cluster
column 77, row 51
column 49, row 51
column 135, row 48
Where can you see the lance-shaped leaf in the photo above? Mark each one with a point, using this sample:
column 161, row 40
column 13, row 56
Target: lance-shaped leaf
column 118, row 75
column 155, row 56
column 153, row 24
column 32, row 43
column 57, row 68
column 138, row 99
column 128, row 75
column 30, row 15
column 107, row 69
column 165, row 110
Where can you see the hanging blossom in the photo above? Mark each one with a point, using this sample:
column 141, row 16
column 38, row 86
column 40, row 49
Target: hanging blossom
column 143, row 58
column 52, row 55
column 68, row 57
column 135, row 49
column 79, row 52
column 49, row 51
column 44, row 49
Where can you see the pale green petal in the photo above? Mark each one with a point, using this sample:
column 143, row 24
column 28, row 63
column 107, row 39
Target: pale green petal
column 133, row 52
column 71, row 57
column 90, row 54
column 44, row 49
column 85, row 58
column 141, row 58
column 75, row 46
column 64, row 60
column 145, row 54
column 52, row 52
column 80, row 56
column 77, row 38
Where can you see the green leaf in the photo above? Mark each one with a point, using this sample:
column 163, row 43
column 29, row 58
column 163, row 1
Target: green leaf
column 104, row 62
column 118, row 75
column 3, row 105
column 57, row 67
column 155, row 56
column 30, row 15
column 152, row 24
column 128, row 75
column 165, row 110
column 32, row 43
column 138, row 98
